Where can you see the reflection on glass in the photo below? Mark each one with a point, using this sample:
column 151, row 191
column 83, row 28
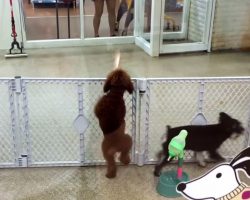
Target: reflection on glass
column 51, row 19
column 184, row 21
column 125, row 7
column 108, row 18
column 147, row 19
column 147, row 13
column 174, row 30
column 173, row 15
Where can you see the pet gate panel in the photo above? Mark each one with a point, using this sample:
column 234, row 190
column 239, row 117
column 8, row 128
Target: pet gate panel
column 7, row 125
column 93, row 136
column 52, row 108
column 170, row 102
column 232, row 97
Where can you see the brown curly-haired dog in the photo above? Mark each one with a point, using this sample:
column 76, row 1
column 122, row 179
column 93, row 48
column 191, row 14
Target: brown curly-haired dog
column 110, row 111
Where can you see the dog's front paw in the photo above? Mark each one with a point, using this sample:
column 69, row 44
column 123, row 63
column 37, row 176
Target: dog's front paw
column 125, row 159
column 202, row 163
column 157, row 172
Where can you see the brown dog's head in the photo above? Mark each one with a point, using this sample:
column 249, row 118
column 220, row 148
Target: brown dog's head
column 118, row 79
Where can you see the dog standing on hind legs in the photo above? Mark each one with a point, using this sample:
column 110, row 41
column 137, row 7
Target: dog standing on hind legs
column 202, row 138
column 110, row 111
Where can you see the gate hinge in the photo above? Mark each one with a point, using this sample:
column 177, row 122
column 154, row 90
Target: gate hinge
column 142, row 85
column 23, row 160
column 17, row 85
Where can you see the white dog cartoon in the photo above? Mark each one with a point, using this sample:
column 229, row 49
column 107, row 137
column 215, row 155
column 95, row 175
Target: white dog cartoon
column 222, row 182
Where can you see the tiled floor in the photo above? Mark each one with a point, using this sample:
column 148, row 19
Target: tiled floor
column 80, row 183
column 98, row 61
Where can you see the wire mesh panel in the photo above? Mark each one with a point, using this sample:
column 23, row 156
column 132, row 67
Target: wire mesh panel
column 52, row 108
column 176, row 103
column 7, row 139
column 231, row 96
column 93, row 136
column 170, row 102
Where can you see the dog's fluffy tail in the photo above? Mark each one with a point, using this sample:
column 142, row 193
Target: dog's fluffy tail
column 117, row 60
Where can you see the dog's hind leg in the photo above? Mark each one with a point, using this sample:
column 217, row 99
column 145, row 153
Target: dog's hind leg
column 109, row 156
column 125, row 158
column 159, row 167
column 125, row 148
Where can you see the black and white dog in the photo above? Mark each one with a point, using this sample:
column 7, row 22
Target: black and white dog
column 222, row 182
column 202, row 138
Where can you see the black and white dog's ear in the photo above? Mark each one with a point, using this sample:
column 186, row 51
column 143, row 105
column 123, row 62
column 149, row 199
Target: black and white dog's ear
column 242, row 161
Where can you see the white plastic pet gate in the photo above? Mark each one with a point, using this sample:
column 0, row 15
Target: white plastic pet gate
column 38, row 117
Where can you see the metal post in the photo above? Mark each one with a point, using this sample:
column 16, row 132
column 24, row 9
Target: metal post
column 68, row 19
column 142, row 85
column 57, row 21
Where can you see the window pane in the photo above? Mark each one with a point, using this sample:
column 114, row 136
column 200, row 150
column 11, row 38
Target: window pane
column 42, row 23
column 99, row 22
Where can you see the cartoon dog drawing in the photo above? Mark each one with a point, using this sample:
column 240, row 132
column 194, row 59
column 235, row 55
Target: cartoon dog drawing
column 222, row 182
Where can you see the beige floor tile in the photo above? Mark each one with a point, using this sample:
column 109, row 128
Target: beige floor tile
column 84, row 62
column 76, row 183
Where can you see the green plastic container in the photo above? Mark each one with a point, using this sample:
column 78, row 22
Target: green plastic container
column 168, row 182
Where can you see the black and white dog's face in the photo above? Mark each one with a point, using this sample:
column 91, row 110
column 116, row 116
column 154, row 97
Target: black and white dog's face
column 231, row 125
column 219, row 181
column 213, row 185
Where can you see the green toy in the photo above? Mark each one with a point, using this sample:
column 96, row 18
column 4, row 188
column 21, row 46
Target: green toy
column 176, row 149
column 170, row 179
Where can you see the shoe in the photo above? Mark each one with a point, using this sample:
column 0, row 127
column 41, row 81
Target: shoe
column 124, row 33
column 117, row 26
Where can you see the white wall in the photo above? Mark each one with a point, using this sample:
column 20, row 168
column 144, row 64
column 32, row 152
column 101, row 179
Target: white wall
column 5, row 23
column 231, row 25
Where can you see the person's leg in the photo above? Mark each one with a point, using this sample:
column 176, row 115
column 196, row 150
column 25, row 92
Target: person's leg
column 122, row 9
column 111, row 15
column 129, row 19
column 98, row 14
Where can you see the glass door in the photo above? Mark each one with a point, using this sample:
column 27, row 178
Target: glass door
column 57, row 23
column 51, row 19
column 148, row 26
column 185, row 25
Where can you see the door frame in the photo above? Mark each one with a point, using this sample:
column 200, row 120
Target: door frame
column 204, row 45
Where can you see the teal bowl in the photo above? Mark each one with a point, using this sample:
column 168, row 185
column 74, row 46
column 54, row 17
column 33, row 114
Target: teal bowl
column 168, row 182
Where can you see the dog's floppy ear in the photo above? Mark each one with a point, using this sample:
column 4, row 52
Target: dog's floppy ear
column 125, row 81
column 223, row 116
column 107, row 85
column 242, row 161
column 130, row 87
